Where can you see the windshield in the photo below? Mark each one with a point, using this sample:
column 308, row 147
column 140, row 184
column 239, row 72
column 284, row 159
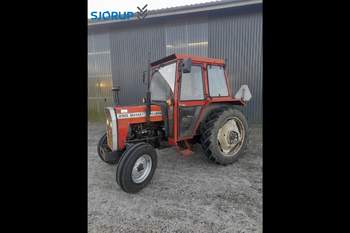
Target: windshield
column 163, row 82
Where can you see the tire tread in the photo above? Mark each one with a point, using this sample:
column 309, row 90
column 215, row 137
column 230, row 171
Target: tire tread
column 212, row 124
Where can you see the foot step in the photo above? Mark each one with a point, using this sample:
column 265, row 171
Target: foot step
column 186, row 152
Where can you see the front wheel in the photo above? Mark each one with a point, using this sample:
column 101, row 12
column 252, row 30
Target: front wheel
column 136, row 167
column 105, row 154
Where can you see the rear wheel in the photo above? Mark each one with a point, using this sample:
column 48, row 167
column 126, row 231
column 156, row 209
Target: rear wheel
column 224, row 136
column 136, row 167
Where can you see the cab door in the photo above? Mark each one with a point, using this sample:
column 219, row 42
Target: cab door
column 191, row 98
column 162, row 94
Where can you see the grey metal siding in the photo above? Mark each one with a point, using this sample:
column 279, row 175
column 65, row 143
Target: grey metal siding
column 188, row 37
column 99, row 74
column 129, row 54
column 239, row 39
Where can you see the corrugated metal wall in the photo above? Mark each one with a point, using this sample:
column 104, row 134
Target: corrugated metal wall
column 237, row 37
column 189, row 37
column 130, row 48
column 99, row 75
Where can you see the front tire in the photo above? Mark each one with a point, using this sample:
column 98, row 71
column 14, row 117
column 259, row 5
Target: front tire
column 136, row 167
column 224, row 136
column 105, row 154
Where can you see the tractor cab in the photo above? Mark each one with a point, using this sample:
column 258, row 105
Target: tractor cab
column 184, row 85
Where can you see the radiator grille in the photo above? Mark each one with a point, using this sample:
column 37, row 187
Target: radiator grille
column 109, row 129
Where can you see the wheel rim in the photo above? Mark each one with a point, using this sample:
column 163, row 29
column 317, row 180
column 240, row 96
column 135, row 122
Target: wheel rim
column 103, row 147
column 141, row 169
column 231, row 137
column 102, row 151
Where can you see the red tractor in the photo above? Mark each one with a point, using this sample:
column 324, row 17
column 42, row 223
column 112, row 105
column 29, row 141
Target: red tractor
column 188, row 100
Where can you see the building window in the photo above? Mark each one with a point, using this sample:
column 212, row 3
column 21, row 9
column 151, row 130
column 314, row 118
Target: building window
column 192, row 84
column 187, row 37
column 217, row 81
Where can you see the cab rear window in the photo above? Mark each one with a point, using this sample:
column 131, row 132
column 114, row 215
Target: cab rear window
column 217, row 81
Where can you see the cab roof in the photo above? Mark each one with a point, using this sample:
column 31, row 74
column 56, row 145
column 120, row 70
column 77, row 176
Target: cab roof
column 194, row 58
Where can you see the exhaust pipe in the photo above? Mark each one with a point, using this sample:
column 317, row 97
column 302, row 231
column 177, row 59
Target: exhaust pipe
column 148, row 93
column 115, row 91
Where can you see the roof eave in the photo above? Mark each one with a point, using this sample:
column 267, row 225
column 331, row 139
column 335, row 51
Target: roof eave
column 182, row 11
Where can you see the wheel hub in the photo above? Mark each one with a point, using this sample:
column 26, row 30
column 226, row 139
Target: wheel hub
column 233, row 137
column 141, row 169
column 230, row 137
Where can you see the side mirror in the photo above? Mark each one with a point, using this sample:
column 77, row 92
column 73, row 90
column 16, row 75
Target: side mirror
column 186, row 65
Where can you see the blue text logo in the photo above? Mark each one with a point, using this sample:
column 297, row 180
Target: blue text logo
column 111, row 15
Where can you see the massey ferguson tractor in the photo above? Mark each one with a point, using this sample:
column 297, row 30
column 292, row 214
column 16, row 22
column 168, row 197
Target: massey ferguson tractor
column 188, row 100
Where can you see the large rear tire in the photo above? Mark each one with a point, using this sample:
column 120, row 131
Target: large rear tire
column 224, row 135
column 136, row 167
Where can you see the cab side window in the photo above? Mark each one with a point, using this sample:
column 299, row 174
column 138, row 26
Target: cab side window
column 192, row 84
column 217, row 81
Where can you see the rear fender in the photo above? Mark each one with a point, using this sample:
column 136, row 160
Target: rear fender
column 215, row 106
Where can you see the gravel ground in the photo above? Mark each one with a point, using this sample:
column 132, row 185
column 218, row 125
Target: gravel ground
column 186, row 194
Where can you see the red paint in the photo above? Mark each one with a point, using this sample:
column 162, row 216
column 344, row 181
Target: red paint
column 123, row 124
column 199, row 59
